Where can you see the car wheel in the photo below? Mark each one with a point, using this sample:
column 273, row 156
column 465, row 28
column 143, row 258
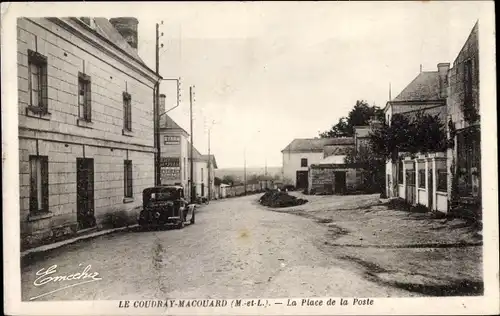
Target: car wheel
column 180, row 225
column 192, row 218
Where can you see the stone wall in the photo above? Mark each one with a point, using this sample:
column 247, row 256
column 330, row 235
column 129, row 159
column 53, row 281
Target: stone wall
column 322, row 180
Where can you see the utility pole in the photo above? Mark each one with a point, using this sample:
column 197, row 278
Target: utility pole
column 191, row 172
column 157, row 112
column 209, row 169
column 245, row 169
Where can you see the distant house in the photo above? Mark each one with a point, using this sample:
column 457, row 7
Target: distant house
column 301, row 153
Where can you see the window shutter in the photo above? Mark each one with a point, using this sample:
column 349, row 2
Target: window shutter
column 88, row 100
column 129, row 102
column 44, row 165
column 129, row 176
column 33, row 188
column 43, row 87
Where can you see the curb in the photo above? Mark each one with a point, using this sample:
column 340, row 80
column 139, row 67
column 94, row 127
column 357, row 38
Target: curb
column 73, row 240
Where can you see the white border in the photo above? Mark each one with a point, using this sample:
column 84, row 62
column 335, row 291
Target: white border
column 487, row 304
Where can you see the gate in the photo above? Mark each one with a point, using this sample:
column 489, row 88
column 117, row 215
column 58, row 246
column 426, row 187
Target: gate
column 411, row 188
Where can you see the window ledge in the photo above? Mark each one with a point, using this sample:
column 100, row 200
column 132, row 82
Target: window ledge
column 34, row 111
column 39, row 216
column 128, row 199
column 127, row 133
column 84, row 123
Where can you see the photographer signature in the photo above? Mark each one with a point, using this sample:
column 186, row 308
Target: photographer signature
column 49, row 275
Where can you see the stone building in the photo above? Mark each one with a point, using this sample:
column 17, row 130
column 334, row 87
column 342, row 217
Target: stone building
column 426, row 93
column 464, row 126
column 86, row 139
column 301, row 153
column 334, row 178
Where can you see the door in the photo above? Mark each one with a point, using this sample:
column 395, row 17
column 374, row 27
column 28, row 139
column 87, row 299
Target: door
column 302, row 179
column 430, row 191
column 340, row 182
column 202, row 189
column 85, row 193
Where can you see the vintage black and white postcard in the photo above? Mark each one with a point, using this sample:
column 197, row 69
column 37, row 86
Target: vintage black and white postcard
column 249, row 158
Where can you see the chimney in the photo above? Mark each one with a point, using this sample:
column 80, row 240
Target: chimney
column 162, row 102
column 127, row 27
column 443, row 69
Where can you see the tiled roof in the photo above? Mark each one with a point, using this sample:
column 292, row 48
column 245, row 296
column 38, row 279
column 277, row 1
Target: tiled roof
column 336, row 150
column 214, row 162
column 424, row 87
column 106, row 29
column 316, row 144
column 167, row 122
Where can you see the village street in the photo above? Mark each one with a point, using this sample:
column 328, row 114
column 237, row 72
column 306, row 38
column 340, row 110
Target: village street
column 236, row 248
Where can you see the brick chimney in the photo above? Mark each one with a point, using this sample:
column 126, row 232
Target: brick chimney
column 162, row 102
column 443, row 69
column 127, row 27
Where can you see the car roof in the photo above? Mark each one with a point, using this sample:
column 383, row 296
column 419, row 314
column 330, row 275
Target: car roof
column 165, row 187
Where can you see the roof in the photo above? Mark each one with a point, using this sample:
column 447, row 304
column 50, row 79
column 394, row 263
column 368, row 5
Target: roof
column 424, row 87
column 316, row 144
column 168, row 123
column 337, row 150
column 106, row 29
column 223, row 185
column 213, row 161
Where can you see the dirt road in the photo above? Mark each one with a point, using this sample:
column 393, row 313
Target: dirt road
column 236, row 248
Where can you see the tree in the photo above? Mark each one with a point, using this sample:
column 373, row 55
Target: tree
column 227, row 179
column 360, row 115
column 217, row 181
column 422, row 134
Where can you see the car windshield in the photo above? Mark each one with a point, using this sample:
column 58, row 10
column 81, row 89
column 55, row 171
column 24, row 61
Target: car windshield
column 163, row 196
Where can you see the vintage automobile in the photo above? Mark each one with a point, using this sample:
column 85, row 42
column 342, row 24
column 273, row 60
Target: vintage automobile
column 165, row 205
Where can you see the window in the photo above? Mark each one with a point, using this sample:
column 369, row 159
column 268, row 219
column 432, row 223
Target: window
column 39, row 184
column 127, row 111
column 202, row 175
column 468, row 81
column 127, row 175
column 303, row 162
column 84, row 93
column 37, row 81
column 442, row 180
column 468, row 162
column 421, row 178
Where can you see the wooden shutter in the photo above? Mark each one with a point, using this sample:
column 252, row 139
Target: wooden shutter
column 43, row 87
column 44, row 165
column 129, row 116
column 129, row 176
column 88, row 100
column 33, row 184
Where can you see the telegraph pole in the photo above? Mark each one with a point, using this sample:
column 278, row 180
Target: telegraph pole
column 191, row 172
column 157, row 111
column 245, row 169
column 209, row 169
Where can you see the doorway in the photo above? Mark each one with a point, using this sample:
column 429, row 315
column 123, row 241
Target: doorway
column 430, row 190
column 85, row 193
column 302, row 180
column 340, row 182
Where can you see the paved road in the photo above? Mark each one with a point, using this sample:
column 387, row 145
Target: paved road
column 236, row 248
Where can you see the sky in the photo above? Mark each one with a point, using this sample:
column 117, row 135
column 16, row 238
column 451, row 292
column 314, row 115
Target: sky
column 266, row 73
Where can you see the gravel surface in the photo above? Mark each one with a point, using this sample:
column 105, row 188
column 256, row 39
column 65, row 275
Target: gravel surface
column 236, row 249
